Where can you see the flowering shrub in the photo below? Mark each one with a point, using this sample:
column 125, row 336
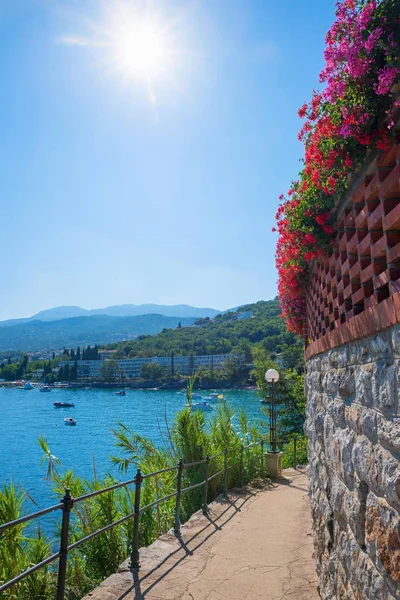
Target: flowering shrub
column 354, row 112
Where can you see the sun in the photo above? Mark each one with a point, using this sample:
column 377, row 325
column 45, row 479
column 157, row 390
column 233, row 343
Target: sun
column 136, row 41
column 141, row 49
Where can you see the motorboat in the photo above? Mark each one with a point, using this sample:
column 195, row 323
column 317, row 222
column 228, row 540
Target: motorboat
column 121, row 393
column 205, row 406
column 262, row 401
column 214, row 398
column 28, row 386
column 63, row 404
column 45, row 388
column 69, row 421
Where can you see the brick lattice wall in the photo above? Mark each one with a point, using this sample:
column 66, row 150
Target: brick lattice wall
column 363, row 268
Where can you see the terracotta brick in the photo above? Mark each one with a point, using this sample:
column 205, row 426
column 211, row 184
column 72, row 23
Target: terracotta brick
column 390, row 187
column 386, row 313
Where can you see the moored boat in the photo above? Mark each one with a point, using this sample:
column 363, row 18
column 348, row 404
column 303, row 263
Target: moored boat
column 69, row 421
column 45, row 388
column 121, row 393
column 63, row 404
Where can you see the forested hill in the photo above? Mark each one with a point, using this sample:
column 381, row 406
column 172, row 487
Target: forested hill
column 255, row 324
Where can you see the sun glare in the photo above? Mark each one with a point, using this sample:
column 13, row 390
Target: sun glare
column 136, row 41
column 141, row 50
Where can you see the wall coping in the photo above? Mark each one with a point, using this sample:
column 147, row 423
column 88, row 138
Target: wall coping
column 376, row 318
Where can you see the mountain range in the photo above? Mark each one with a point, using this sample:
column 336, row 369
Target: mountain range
column 122, row 310
column 71, row 326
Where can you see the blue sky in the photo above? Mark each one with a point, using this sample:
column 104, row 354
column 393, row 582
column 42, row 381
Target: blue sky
column 119, row 190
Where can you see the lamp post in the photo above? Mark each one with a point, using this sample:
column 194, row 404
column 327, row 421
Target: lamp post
column 273, row 457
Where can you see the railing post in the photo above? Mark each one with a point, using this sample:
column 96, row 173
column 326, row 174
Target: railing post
column 241, row 467
column 177, row 522
column 226, row 472
column 205, row 489
column 62, row 565
column 135, row 564
column 262, row 455
column 295, row 452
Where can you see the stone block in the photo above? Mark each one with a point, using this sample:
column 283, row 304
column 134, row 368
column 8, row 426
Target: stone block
column 336, row 409
column 346, row 382
column 383, row 539
column 364, row 462
column 380, row 346
column 363, row 384
column 389, row 433
column 384, row 386
column 396, row 341
column 330, row 383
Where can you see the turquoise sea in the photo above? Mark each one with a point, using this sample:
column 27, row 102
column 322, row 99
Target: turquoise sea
column 27, row 414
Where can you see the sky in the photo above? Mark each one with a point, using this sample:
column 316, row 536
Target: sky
column 149, row 170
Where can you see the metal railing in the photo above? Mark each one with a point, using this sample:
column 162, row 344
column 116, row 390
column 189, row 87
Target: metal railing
column 67, row 504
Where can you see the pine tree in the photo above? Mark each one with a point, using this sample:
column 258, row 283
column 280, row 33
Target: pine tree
column 73, row 357
column 78, row 353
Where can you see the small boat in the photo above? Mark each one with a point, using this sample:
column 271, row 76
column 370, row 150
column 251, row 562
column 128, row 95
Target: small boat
column 201, row 406
column 121, row 393
column 28, row 386
column 69, row 421
column 45, row 388
column 63, row 404
column 214, row 398
column 264, row 401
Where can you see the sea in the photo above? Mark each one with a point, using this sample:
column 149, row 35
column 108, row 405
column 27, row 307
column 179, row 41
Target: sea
column 27, row 414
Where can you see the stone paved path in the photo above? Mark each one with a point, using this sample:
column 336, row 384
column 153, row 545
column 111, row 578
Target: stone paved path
column 256, row 546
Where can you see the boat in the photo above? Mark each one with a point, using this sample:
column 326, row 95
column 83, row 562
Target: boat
column 45, row 388
column 121, row 393
column 205, row 406
column 264, row 401
column 28, row 386
column 214, row 398
column 63, row 404
column 69, row 421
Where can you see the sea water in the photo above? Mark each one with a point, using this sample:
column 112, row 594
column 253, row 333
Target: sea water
column 27, row 414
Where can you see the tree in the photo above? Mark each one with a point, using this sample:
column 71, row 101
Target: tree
column 74, row 372
column 109, row 370
column 73, row 354
column 151, row 371
column 78, row 353
column 9, row 372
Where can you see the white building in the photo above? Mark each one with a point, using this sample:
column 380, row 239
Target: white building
column 132, row 367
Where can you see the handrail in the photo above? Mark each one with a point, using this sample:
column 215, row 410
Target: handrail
column 67, row 504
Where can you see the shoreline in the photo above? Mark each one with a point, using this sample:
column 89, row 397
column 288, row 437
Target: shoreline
column 148, row 385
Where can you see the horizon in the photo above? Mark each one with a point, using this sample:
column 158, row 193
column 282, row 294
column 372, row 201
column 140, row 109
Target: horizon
column 145, row 147
column 220, row 310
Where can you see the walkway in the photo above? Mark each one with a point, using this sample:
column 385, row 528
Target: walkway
column 256, row 547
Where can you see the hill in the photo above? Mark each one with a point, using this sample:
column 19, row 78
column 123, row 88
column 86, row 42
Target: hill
column 258, row 324
column 122, row 310
column 81, row 331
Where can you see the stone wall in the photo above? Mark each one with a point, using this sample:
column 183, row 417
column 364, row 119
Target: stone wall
column 353, row 427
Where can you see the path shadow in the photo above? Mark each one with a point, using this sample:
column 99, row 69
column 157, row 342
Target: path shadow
column 242, row 497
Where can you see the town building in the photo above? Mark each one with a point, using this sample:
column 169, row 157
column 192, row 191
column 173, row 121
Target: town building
column 132, row 367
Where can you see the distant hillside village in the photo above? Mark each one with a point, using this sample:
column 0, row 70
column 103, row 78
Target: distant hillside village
column 219, row 349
